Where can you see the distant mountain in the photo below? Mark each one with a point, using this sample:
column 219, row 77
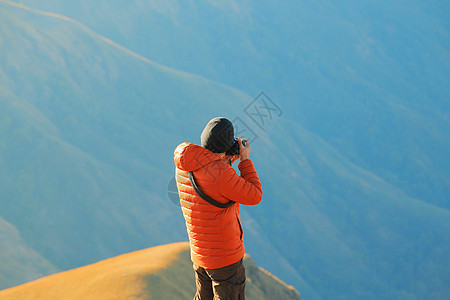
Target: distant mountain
column 368, row 77
column 87, row 132
column 20, row 263
column 162, row 272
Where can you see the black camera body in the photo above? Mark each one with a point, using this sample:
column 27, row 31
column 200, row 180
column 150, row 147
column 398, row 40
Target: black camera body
column 234, row 150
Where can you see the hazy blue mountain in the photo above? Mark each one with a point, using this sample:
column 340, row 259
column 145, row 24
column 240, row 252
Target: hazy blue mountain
column 87, row 131
column 347, row 71
column 19, row 262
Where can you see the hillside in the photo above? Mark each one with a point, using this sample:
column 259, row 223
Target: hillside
column 368, row 77
column 87, row 132
column 19, row 262
column 161, row 272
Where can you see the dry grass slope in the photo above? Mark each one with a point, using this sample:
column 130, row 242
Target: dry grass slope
column 162, row 272
column 121, row 277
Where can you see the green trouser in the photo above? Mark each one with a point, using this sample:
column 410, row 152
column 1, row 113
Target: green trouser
column 227, row 283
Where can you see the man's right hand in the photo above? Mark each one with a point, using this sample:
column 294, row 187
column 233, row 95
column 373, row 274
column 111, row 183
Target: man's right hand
column 244, row 151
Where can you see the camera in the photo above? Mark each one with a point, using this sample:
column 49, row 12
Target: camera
column 234, row 150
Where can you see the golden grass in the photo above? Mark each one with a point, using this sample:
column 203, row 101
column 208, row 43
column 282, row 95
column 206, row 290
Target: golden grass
column 162, row 272
column 121, row 277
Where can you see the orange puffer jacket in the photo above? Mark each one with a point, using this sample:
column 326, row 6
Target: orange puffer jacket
column 215, row 234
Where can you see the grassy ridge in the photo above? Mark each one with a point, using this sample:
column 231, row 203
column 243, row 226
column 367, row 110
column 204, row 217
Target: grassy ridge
column 122, row 277
column 161, row 272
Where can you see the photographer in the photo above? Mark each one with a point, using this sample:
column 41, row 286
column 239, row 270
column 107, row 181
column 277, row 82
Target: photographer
column 210, row 193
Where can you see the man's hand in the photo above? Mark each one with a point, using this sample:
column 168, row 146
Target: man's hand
column 244, row 151
column 233, row 158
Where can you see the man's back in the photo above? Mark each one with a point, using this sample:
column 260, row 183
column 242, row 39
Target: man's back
column 214, row 229
column 215, row 233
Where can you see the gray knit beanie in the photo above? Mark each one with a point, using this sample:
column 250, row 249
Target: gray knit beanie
column 218, row 135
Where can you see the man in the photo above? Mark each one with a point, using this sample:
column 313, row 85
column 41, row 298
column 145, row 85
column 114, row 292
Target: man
column 215, row 233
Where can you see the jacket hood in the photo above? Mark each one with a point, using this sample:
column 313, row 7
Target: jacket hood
column 190, row 157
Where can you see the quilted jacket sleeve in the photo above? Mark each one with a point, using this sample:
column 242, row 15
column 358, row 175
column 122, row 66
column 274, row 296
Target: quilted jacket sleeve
column 245, row 189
